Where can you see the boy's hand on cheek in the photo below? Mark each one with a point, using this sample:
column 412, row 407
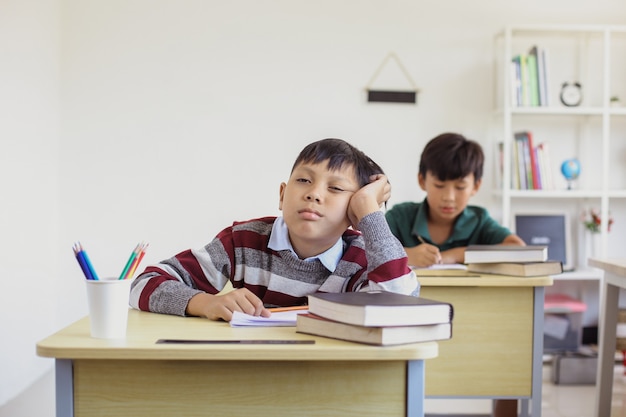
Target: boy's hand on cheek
column 216, row 307
column 369, row 198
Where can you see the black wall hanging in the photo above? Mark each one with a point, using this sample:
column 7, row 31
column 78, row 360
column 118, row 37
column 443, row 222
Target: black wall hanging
column 392, row 96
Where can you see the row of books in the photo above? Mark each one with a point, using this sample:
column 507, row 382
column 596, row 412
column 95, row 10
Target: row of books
column 531, row 165
column 529, row 78
column 377, row 318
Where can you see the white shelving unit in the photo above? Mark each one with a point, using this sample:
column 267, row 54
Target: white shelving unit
column 594, row 132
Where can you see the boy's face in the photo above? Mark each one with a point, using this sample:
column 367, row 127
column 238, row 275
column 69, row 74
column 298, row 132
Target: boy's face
column 447, row 199
column 315, row 206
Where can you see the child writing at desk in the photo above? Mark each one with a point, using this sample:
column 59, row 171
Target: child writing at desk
column 437, row 230
column 278, row 261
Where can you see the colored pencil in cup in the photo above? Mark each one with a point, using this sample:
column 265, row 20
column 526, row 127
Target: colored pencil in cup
column 133, row 260
column 135, row 264
column 84, row 262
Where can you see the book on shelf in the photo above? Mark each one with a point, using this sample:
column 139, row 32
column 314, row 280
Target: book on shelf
column 520, row 164
column 534, row 168
column 525, row 80
column 537, row 169
column 542, row 77
column 379, row 308
column 505, row 253
column 545, row 167
column 516, row 84
column 499, row 163
column 533, row 84
column 518, row 269
column 380, row 336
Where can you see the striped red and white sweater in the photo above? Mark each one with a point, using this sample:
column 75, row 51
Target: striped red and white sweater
column 372, row 259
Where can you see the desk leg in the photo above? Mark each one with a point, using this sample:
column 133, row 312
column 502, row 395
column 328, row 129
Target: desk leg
column 415, row 388
column 524, row 408
column 609, row 299
column 537, row 377
column 64, row 382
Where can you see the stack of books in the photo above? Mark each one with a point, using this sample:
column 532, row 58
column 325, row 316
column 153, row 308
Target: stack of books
column 377, row 318
column 521, row 261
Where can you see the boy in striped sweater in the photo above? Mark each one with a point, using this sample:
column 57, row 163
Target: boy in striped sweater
column 278, row 261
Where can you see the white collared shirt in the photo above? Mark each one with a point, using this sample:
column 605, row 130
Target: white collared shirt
column 279, row 240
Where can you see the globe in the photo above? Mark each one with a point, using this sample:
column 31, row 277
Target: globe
column 570, row 168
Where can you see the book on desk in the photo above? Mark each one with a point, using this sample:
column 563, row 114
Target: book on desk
column 381, row 336
column 518, row 269
column 379, row 308
column 505, row 253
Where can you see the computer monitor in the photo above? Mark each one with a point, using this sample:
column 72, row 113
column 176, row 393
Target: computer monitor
column 549, row 229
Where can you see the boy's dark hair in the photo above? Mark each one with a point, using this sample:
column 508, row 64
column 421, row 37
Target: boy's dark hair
column 338, row 153
column 451, row 156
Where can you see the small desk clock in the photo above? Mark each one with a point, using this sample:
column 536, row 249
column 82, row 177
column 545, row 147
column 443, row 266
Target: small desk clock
column 571, row 94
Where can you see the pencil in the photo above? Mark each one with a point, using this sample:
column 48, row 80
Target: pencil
column 136, row 262
column 83, row 264
column 80, row 253
column 421, row 239
column 293, row 308
column 132, row 257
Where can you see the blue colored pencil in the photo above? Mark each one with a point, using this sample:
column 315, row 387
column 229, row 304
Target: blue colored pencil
column 83, row 265
column 85, row 262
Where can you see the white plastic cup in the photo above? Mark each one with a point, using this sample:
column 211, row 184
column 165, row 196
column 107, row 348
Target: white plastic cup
column 108, row 300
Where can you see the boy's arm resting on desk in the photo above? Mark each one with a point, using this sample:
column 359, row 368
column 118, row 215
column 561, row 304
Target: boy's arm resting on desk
column 216, row 307
column 168, row 286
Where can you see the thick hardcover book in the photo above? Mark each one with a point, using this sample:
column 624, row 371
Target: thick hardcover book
column 505, row 253
column 381, row 336
column 379, row 308
column 518, row 269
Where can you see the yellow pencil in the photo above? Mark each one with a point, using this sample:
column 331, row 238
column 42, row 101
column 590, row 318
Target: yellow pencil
column 293, row 308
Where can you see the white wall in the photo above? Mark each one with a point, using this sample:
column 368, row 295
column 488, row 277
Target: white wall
column 178, row 117
column 29, row 221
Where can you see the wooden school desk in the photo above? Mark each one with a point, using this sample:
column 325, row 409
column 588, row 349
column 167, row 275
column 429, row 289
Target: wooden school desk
column 136, row 377
column 496, row 350
column 614, row 279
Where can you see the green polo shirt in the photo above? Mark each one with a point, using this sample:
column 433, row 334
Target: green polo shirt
column 474, row 226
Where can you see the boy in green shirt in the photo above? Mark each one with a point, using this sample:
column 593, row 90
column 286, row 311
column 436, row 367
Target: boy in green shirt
column 439, row 229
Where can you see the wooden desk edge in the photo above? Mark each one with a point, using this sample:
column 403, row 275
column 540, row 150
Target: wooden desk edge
column 616, row 266
column 74, row 342
column 485, row 280
column 352, row 352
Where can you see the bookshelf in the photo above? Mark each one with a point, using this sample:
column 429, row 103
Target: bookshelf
column 594, row 132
